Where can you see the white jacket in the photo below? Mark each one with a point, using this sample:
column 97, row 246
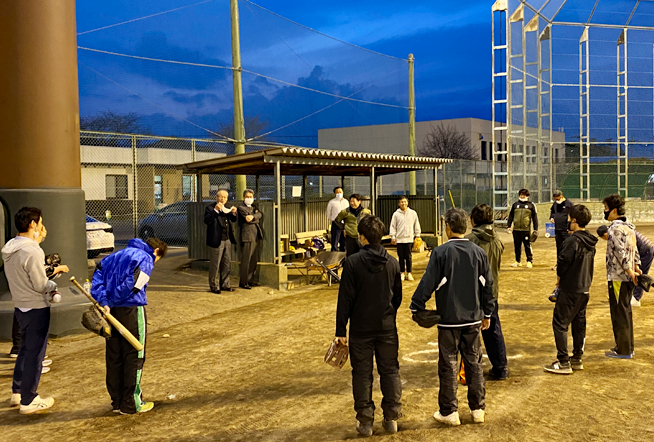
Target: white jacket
column 335, row 206
column 405, row 226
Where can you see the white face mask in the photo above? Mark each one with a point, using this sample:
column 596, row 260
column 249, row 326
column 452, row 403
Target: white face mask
column 523, row 199
column 559, row 202
column 339, row 196
column 248, row 201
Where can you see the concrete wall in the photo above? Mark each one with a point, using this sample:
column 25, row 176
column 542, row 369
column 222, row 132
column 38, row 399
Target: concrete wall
column 638, row 212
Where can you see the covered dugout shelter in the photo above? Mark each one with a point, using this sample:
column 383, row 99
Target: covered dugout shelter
column 280, row 161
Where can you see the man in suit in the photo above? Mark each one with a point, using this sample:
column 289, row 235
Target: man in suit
column 251, row 238
column 220, row 237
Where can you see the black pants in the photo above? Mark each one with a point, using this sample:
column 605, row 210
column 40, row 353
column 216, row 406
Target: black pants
column 645, row 264
column 351, row 246
column 520, row 238
column 620, row 293
column 385, row 349
column 34, row 326
column 250, row 252
column 124, row 362
column 560, row 236
column 570, row 308
column 495, row 347
column 15, row 337
column 337, row 237
column 451, row 342
column 404, row 256
column 220, row 258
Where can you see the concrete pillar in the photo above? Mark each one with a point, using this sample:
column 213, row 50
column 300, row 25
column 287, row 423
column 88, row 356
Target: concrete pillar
column 39, row 141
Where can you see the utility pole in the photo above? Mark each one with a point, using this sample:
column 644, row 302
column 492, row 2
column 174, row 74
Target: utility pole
column 412, row 124
column 239, row 121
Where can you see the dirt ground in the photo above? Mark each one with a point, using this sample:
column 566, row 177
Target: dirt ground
column 247, row 366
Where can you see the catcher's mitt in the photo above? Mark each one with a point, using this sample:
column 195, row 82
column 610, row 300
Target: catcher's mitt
column 534, row 236
column 93, row 321
column 645, row 282
column 336, row 355
column 426, row 318
column 417, row 245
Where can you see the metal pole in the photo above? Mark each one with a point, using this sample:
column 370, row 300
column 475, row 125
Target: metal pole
column 239, row 121
column 305, row 208
column 436, row 208
column 198, row 183
column 194, row 193
column 278, row 212
column 373, row 193
column 412, row 123
column 135, row 184
column 257, row 183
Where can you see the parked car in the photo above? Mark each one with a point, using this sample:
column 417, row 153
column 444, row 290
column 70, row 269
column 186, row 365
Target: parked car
column 167, row 223
column 99, row 237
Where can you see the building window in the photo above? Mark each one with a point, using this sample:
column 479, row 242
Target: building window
column 116, row 187
column 158, row 190
column 187, row 184
column 556, row 155
column 483, row 150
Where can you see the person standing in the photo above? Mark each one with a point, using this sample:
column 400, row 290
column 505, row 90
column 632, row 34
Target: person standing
column 405, row 227
column 369, row 295
column 31, row 290
column 522, row 215
column 459, row 274
column 334, row 207
column 249, row 218
column 220, row 236
column 484, row 235
column 351, row 217
column 559, row 216
column 574, row 277
column 622, row 270
column 119, row 284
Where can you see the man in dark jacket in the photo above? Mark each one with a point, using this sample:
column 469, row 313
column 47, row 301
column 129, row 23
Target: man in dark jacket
column 559, row 216
column 119, row 284
column 485, row 237
column 220, row 237
column 251, row 238
column 521, row 216
column 369, row 295
column 574, row 277
column 459, row 273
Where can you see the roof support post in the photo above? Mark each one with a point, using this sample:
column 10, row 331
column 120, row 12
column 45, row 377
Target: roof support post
column 278, row 211
column 257, row 188
column 373, row 191
column 436, row 208
column 305, row 208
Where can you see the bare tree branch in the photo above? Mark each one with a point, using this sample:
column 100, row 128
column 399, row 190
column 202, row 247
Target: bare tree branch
column 253, row 127
column 447, row 142
column 109, row 121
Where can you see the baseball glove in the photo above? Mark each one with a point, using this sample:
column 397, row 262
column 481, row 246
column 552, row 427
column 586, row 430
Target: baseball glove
column 534, row 236
column 426, row 318
column 336, row 355
column 93, row 321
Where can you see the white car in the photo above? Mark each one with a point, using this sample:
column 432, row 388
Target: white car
column 99, row 237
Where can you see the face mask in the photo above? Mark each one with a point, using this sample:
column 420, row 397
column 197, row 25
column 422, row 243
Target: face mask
column 523, row 199
column 248, row 201
column 606, row 214
column 559, row 202
column 339, row 196
column 569, row 226
column 36, row 235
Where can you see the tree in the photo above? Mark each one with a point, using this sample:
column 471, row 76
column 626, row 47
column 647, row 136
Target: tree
column 447, row 142
column 109, row 121
column 253, row 127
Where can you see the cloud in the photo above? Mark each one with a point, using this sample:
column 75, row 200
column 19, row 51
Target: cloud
column 198, row 100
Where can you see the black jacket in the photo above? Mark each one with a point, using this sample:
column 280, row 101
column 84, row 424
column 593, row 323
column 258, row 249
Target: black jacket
column 250, row 231
column 559, row 213
column 214, row 223
column 370, row 293
column 575, row 262
column 522, row 215
column 459, row 273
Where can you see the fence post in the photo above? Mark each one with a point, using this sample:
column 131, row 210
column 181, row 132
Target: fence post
column 475, row 182
column 135, row 189
column 194, row 193
column 373, row 193
column 305, row 210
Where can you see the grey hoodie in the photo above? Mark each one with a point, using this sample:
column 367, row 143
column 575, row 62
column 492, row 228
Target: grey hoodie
column 24, row 263
column 485, row 237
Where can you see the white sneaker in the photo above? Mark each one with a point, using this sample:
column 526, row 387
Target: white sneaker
column 516, row 264
column 409, row 277
column 529, row 265
column 46, row 362
column 37, row 405
column 478, row 416
column 15, row 400
column 635, row 302
column 554, row 268
column 44, row 370
column 402, row 276
column 13, row 355
column 451, row 419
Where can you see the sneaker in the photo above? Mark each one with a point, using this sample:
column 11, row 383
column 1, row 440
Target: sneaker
column 145, row 407
column 13, row 355
column 390, row 426
column 516, row 264
column 614, row 354
column 37, row 405
column 529, row 264
column 451, row 419
column 576, row 364
column 635, row 302
column 15, row 400
column 364, row 430
column 554, row 296
column 559, row 367
column 409, row 277
column 46, row 362
column 44, row 370
column 402, row 276
column 554, row 268
column 498, row 376
column 478, row 416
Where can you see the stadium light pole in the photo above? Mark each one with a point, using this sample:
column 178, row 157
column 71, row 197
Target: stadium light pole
column 412, row 123
column 239, row 120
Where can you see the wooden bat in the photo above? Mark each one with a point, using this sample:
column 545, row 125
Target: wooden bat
column 109, row 317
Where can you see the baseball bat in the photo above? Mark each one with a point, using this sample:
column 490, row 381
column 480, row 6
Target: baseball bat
column 109, row 317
